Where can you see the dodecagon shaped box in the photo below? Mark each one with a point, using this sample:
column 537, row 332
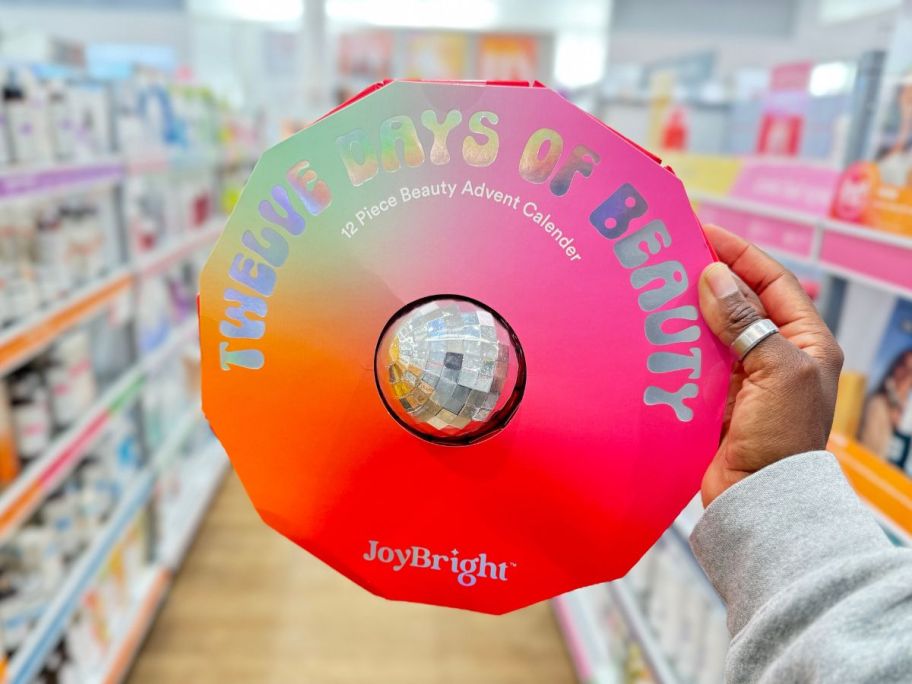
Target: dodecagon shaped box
column 509, row 195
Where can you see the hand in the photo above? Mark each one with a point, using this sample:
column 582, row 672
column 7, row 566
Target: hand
column 782, row 396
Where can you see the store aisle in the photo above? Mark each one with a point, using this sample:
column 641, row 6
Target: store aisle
column 249, row 606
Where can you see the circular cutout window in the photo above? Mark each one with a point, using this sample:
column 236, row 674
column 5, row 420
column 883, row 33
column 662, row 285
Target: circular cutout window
column 450, row 369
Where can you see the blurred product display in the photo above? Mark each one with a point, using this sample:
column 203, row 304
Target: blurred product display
column 663, row 622
column 796, row 164
column 110, row 194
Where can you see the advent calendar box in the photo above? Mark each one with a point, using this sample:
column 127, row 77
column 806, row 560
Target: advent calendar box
column 451, row 342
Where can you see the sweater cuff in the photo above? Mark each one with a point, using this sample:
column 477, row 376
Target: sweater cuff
column 778, row 525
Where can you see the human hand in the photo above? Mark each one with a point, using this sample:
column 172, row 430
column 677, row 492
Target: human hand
column 783, row 394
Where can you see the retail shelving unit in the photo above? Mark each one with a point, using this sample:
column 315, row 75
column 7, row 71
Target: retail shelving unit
column 859, row 254
column 179, row 465
column 873, row 257
column 42, row 476
column 31, row 335
column 149, row 594
column 150, row 591
column 49, row 180
column 642, row 632
column 856, row 253
column 28, row 660
column 179, row 248
column 610, row 628
column 577, row 614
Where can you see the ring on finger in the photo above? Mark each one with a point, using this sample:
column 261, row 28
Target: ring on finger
column 753, row 335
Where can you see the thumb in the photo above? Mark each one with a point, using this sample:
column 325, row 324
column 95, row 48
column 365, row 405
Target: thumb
column 729, row 311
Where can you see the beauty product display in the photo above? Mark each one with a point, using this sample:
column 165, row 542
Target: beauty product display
column 109, row 193
column 49, row 249
column 876, row 190
column 683, row 612
column 40, row 553
column 21, row 129
column 70, row 377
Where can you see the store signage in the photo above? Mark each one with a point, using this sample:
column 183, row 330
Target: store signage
column 451, row 342
column 787, row 184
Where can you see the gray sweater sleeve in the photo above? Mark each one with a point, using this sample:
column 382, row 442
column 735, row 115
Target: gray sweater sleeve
column 815, row 591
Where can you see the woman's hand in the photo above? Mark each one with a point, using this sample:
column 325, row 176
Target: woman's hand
column 782, row 396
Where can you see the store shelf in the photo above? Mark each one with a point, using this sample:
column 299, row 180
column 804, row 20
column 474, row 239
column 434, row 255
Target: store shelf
column 31, row 335
column 150, row 593
column 183, row 181
column 23, row 340
column 785, row 232
column 28, row 660
column 198, row 501
column 161, row 161
column 151, row 590
column 20, row 500
column 178, row 337
column 153, row 161
column 18, row 182
column 176, row 436
column 588, row 645
column 640, row 630
column 873, row 257
column 180, row 248
column 577, row 614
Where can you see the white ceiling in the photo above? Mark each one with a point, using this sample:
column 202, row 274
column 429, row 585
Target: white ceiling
column 568, row 15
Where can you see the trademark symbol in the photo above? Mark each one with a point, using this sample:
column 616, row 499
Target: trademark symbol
column 512, row 564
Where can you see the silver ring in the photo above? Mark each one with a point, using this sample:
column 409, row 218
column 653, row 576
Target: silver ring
column 752, row 336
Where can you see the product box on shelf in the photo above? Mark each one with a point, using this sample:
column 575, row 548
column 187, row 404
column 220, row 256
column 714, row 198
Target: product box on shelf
column 708, row 173
column 53, row 121
column 31, row 411
column 450, row 341
column 10, row 465
column 785, row 106
column 886, row 424
column 51, row 247
column 161, row 124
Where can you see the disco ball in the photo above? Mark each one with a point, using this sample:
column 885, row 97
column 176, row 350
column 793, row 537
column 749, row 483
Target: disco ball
column 450, row 370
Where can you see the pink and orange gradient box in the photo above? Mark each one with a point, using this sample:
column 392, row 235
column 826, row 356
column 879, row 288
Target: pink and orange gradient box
column 508, row 195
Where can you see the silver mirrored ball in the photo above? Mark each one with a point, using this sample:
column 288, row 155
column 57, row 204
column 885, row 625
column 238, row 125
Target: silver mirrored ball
column 447, row 364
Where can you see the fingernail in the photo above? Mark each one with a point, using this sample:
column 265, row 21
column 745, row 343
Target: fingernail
column 721, row 281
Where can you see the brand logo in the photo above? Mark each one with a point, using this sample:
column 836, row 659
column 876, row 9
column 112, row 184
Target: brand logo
column 467, row 570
